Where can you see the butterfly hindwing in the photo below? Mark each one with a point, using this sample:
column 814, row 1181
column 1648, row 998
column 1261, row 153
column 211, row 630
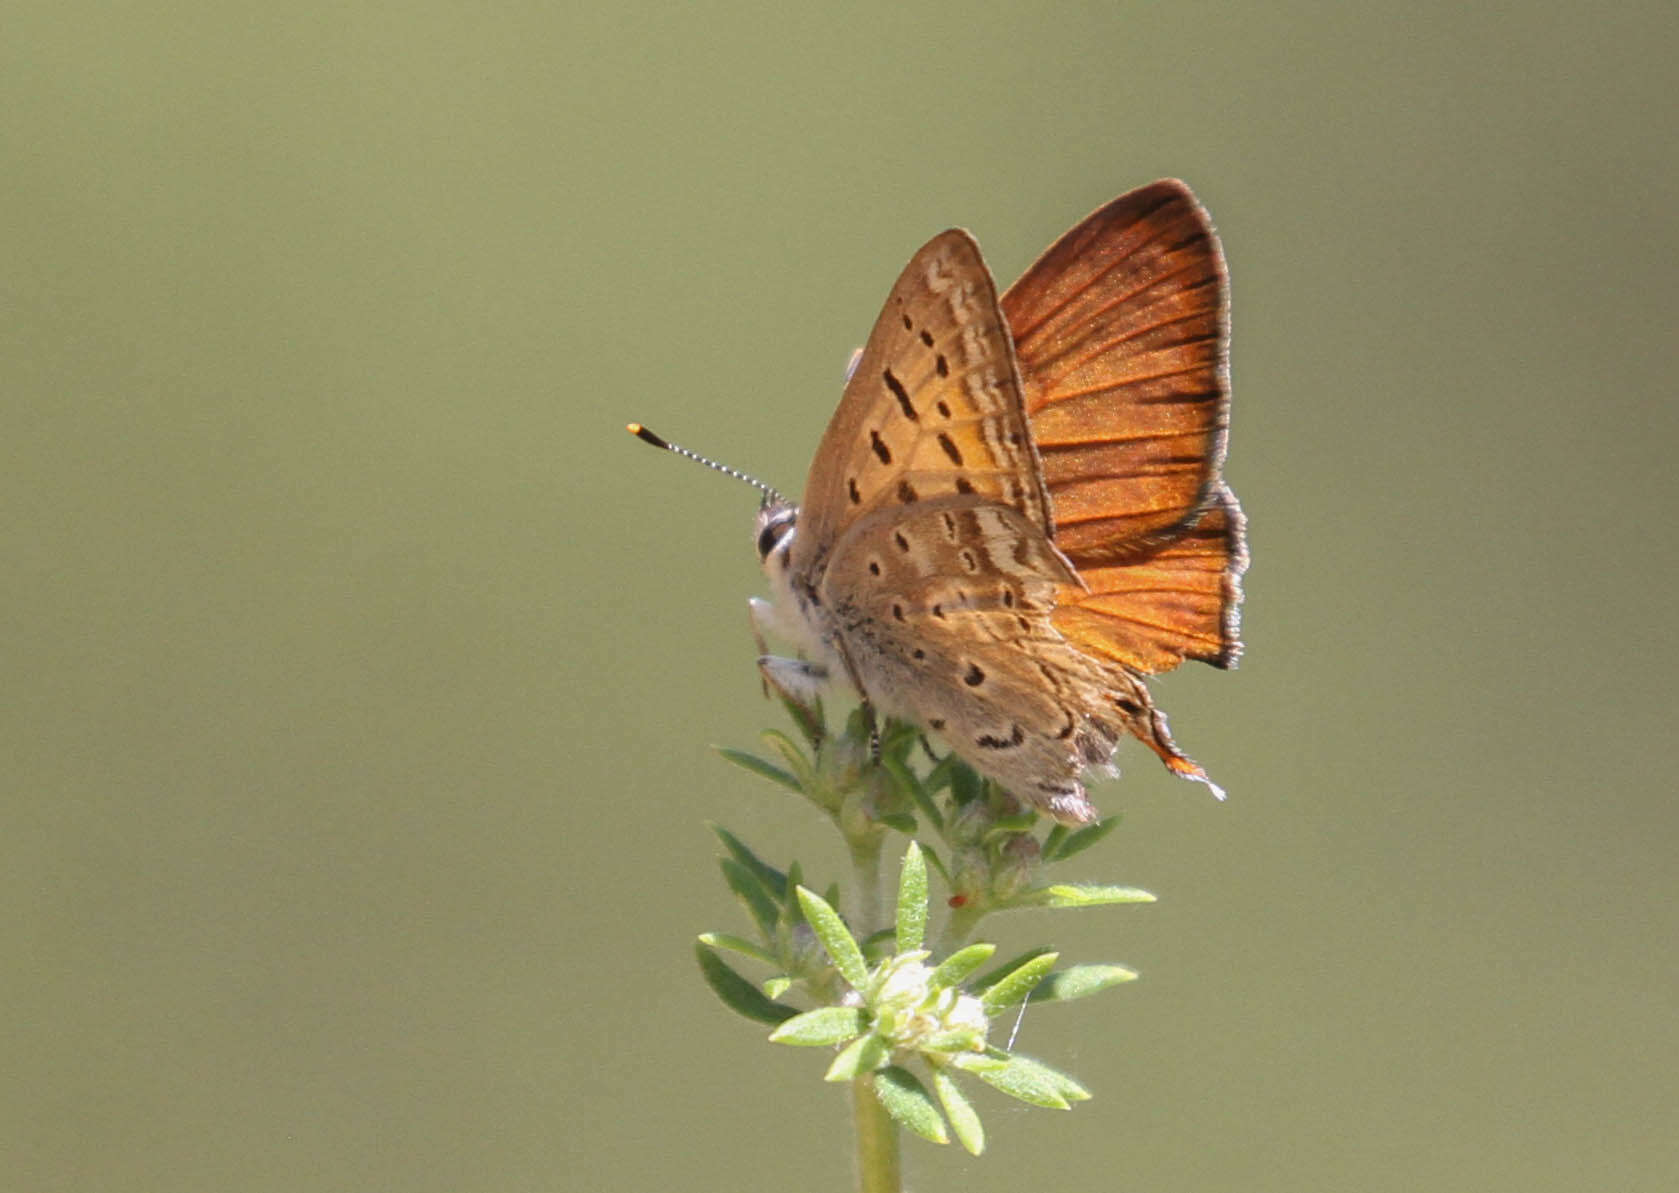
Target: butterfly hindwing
column 947, row 608
column 1179, row 602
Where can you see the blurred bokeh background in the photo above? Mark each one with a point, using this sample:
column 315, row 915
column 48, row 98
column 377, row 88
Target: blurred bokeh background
column 361, row 672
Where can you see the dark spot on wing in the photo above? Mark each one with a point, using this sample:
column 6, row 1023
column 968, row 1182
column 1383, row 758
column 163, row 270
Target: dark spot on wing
column 904, row 404
column 907, row 493
column 963, row 485
column 986, row 742
column 898, row 537
column 880, row 448
column 974, row 676
column 950, row 448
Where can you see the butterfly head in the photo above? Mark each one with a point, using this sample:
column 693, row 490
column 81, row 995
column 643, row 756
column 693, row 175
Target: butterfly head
column 774, row 530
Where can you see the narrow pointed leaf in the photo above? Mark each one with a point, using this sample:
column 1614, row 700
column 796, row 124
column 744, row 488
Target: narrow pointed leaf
column 995, row 975
column 835, row 937
column 738, row 994
column 807, row 717
column 1081, row 981
column 901, row 822
column 796, row 760
column 1018, row 984
column 963, row 1040
column 909, row 1103
column 761, row 768
column 1052, row 842
column 765, row 911
column 1083, row 839
column 912, row 901
column 1022, row 1081
column 932, row 855
column 1010, row 826
column 1063, row 1084
column 964, row 1120
column 1079, row 895
column 939, row 777
column 738, row 944
column 912, row 786
column 777, row 986
column 823, row 1026
column 879, row 945
column 965, row 785
column 773, row 880
column 858, row 1057
column 954, row 969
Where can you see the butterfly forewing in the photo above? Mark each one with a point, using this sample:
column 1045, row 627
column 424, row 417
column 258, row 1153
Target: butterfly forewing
column 1120, row 333
column 932, row 409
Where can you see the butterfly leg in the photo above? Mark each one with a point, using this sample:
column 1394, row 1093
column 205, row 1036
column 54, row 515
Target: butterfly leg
column 793, row 679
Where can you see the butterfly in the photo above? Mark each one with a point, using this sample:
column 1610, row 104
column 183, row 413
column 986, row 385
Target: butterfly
column 1017, row 511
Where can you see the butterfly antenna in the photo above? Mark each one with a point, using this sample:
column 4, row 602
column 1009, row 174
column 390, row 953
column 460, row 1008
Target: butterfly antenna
column 646, row 436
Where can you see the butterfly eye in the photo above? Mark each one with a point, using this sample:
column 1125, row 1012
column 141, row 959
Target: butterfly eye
column 773, row 532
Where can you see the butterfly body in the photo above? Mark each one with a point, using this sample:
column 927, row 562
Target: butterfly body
column 924, row 567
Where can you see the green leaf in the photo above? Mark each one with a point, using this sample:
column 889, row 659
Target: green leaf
column 1081, row 981
column 940, row 776
column 777, row 986
column 796, row 759
column 964, row 1120
column 773, row 880
column 835, row 937
column 902, row 822
column 823, row 1026
column 760, row 903
column 965, row 785
column 861, row 1056
column 1083, row 839
column 932, row 855
column 738, row 944
column 958, row 1040
column 879, row 945
column 807, row 718
column 763, row 769
column 1052, row 842
column 914, row 788
column 1017, row 1078
column 1064, row 1085
column 909, row 1103
column 954, row 969
column 1010, row 826
column 1018, row 984
column 912, row 900
column 738, row 994
column 992, row 976
column 1078, row 895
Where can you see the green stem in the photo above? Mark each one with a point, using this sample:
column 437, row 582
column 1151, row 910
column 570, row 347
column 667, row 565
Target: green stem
column 865, row 864
column 959, row 927
column 879, row 1169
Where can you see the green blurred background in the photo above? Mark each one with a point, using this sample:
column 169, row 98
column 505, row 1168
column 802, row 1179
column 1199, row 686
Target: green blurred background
column 361, row 671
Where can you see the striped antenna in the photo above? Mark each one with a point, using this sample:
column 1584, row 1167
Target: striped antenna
column 646, row 436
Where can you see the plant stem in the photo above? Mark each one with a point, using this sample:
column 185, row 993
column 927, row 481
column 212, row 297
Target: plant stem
column 865, row 864
column 879, row 1169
